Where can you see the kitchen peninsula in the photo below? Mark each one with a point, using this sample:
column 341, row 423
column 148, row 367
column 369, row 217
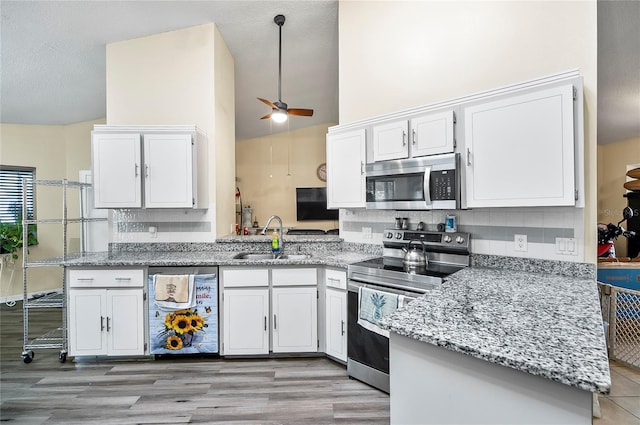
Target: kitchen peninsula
column 508, row 346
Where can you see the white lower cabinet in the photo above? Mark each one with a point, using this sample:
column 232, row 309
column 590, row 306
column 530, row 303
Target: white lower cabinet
column 336, row 324
column 246, row 321
column 295, row 319
column 106, row 322
column 269, row 310
column 106, row 313
column 335, row 314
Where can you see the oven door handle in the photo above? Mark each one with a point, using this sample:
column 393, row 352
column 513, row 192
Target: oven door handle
column 426, row 184
column 407, row 291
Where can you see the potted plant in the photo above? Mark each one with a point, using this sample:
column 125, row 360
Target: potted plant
column 11, row 237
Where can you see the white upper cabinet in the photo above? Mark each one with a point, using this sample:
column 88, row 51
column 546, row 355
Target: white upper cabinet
column 432, row 134
column 421, row 135
column 116, row 170
column 149, row 167
column 345, row 169
column 520, row 150
column 390, row 141
column 168, row 171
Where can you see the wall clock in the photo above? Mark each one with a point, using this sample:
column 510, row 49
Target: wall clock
column 321, row 172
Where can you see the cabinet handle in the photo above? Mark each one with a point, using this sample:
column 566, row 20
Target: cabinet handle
column 414, row 136
column 101, row 323
column 85, row 279
column 127, row 279
column 265, row 323
column 404, row 138
column 361, row 167
column 146, row 171
column 342, row 326
column 468, row 156
column 136, row 170
column 274, row 322
column 108, row 327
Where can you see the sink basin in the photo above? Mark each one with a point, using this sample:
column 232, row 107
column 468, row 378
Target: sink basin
column 268, row 256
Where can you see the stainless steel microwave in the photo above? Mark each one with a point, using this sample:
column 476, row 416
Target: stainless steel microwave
column 426, row 183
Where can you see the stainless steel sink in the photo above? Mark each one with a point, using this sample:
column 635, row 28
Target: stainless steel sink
column 269, row 256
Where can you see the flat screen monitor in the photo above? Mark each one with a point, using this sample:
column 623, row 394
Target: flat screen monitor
column 311, row 204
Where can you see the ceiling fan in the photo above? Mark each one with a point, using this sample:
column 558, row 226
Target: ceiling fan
column 279, row 109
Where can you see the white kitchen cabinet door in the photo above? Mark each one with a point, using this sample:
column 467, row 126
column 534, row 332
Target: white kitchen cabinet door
column 345, row 170
column 520, row 150
column 295, row 320
column 116, row 170
column 432, row 134
column 336, row 323
column 246, row 322
column 390, row 141
column 106, row 322
column 168, row 170
column 87, row 322
column 125, row 322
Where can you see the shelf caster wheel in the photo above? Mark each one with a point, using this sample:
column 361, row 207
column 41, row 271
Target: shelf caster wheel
column 63, row 357
column 28, row 356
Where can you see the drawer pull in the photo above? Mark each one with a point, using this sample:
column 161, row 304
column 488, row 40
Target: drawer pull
column 126, row 279
column 84, row 279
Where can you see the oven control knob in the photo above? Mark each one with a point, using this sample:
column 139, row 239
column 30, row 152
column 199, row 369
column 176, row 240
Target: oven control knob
column 398, row 235
column 447, row 238
column 460, row 239
column 388, row 235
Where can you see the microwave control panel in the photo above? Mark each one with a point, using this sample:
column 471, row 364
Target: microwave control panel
column 443, row 185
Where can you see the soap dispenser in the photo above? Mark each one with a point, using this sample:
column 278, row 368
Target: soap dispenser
column 275, row 243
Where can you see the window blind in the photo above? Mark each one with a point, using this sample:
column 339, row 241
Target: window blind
column 11, row 179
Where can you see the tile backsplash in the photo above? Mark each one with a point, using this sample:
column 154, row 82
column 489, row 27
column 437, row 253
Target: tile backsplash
column 492, row 230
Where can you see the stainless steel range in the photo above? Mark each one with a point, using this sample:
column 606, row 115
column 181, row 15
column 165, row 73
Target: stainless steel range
column 368, row 347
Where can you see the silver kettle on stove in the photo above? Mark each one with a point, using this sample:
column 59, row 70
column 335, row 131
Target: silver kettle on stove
column 414, row 260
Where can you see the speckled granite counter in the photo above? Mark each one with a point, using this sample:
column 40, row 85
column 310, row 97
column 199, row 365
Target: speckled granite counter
column 548, row 325
column 323, row 251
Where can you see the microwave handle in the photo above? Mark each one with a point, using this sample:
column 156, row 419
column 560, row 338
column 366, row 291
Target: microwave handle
column 426, row 184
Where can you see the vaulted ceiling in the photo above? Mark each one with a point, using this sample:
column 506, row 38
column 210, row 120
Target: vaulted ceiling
column 53, row 58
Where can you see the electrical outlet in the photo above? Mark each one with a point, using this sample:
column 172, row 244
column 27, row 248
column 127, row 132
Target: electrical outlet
column 366, row 232
column 521, row 242
column 153, row 232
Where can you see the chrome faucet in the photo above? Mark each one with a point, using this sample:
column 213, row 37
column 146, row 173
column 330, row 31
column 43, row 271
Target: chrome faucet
column 266, row 226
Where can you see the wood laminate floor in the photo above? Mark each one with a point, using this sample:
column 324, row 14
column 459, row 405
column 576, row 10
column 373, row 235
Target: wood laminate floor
column 210, row 391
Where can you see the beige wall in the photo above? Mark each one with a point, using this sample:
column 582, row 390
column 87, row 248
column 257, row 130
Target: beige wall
column 613, row 159
column 270, row 168
column 180, row 77
column 396, row 55
column 57, row 152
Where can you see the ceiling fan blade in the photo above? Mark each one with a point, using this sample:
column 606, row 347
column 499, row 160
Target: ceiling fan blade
column 271, row 105
column 301, row 112
column 266, row 117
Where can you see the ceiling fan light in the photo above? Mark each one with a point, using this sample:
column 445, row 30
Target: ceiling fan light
column 279, row 116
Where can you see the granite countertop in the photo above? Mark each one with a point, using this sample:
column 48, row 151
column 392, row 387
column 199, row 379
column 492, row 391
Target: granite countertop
column 543, row 324
column 206, row 258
